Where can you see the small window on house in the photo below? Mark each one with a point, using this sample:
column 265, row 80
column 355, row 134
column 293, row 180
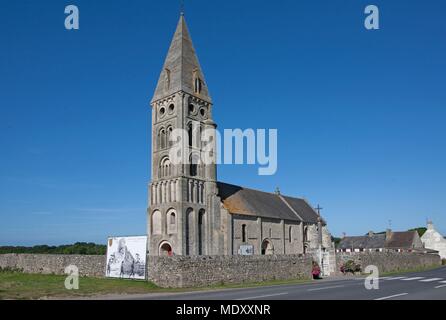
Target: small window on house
column 172, row 218
column 290, row 234
column 244, row 233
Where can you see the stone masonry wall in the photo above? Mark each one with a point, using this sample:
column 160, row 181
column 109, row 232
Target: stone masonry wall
column 93, row 266
column 180, row 271
column 202, row 271
column 389, row 261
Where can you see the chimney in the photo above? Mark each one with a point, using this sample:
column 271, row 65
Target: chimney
column 277, row 191
column 343, row 235
column 371, row 234
column 388, row 233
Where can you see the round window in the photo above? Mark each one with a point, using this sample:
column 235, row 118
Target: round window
column 171, row 108
column 203, row 112
column 162, row 111
column 191, row 108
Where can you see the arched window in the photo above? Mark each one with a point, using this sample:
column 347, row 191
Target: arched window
column 169, row 136
column 200, row 135
column 197, row 82
column 290, row 234
column 193, row 169
column 171, row 220
column 166, row 79
column 189, row 230
column 162, row 138
column 306, row 234
column 201, row 232
column 165, row 169
column 156, row 223
column 190, row 134
column 244, row 233
column 194, row 165
column 198, row 85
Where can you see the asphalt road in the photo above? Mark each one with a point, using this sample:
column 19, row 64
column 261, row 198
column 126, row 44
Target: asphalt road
column 428, row 285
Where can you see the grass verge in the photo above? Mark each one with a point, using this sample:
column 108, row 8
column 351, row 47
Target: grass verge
column 22, row 286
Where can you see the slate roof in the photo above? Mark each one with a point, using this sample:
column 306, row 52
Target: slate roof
column 181, row 62
column 396, row 240
column 305, row 211
column 401, row 239
column 363, row 242
column 245, row 201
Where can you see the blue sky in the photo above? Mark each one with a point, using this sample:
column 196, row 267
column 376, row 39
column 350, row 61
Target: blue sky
column 360, row 113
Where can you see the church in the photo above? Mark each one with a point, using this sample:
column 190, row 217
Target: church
column 192, row 213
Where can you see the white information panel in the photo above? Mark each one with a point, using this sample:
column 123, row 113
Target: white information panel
column 126, row 257
column 246, row 250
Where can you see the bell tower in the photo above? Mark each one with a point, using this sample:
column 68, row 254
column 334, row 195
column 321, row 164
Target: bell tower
column 184, row 210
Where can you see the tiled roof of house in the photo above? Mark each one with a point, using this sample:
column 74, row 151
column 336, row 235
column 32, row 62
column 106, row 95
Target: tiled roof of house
column 375, row 241
column 401, row 239
column 392, row 240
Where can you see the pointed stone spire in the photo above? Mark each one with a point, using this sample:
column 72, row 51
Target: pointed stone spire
column 181, row 71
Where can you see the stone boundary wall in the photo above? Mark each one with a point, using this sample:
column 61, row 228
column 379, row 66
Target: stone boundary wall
column 92, row 266
column 388, row 261
column 181, row 271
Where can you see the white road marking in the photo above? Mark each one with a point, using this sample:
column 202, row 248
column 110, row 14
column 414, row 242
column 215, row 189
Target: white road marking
column 431, row 280
column 265, row 296
column 442, row 286
column 396, row 278
column 412, row 279
column 394, row 296
column 325, row 288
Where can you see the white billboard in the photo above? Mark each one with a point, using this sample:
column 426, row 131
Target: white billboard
column 126, row 257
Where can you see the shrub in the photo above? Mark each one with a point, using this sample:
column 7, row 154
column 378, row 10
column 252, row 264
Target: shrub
column 350, row 267
column 443, row 262
column 10, row 270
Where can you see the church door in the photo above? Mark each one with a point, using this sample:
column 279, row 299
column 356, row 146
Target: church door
column 166, row 250
column 267, row 247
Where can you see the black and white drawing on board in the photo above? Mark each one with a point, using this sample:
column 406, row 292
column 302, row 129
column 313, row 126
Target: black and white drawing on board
column 126, row 257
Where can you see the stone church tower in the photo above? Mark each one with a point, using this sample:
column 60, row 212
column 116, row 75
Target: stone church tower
column 184, row 213
column 190, row 212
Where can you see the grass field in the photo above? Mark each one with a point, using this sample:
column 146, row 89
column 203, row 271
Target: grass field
column 15, row 285
column 20, row 286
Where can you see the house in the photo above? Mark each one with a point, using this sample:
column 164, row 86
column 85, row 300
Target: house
column 406, row 241
column 432, row 239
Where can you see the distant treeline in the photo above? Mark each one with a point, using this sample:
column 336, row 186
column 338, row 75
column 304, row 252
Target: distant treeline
column 82, row 248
